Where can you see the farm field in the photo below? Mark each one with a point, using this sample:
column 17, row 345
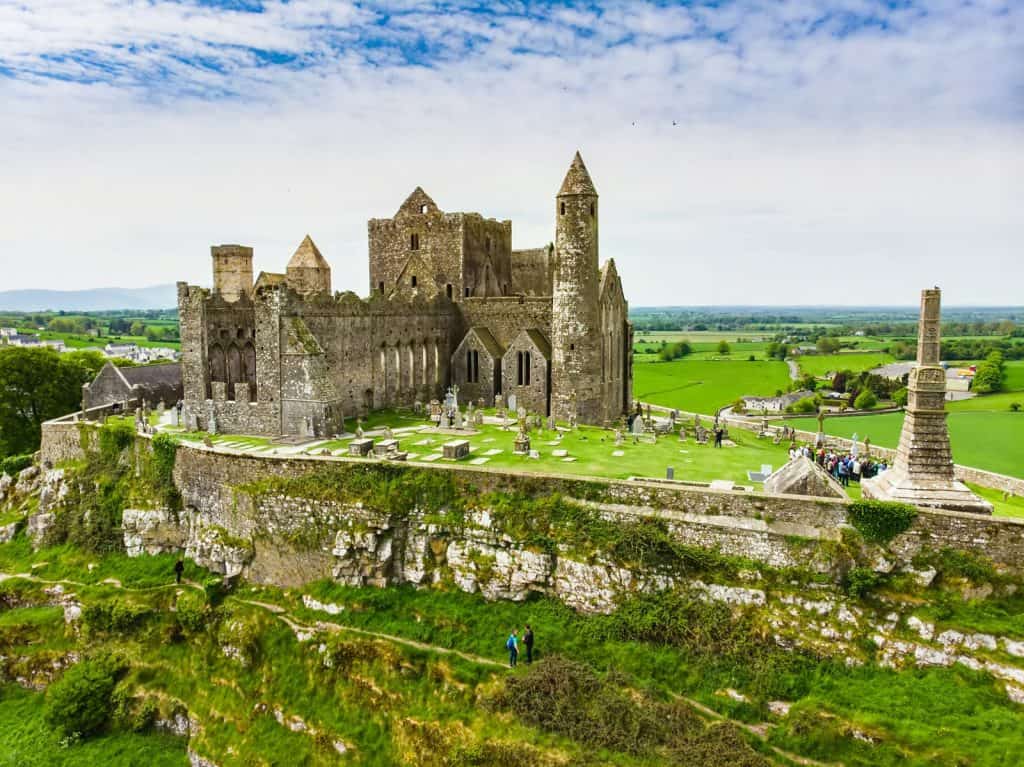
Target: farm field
column 1014, row 380
column 985, row 439
column 704, row 386
column 822, row 364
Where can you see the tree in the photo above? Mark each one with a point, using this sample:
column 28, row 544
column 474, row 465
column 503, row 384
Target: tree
column 137, row 328
column 36, row 385
column 865, row 400
column 723, row 347
column 989, row 377
column 900, row 397
column 827, row 345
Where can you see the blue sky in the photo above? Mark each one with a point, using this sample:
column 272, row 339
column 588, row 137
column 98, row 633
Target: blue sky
column 802, row 151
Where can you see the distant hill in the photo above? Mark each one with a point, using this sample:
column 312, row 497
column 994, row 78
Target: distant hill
column 95, row 300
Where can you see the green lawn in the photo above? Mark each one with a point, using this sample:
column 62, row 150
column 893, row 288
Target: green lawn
column 983, row 432
column 704, row 386
column 819, row 365
column 593, row 450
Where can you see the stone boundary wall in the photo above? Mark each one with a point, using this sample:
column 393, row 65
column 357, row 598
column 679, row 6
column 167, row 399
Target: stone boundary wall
column 1003, row 482
column 62, row 438
column 745, row 524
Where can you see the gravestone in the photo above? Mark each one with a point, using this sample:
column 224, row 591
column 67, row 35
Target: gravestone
column 456, row 449
column 670, row 472
column 478, row 418
column 512, row 402
column 521, row 445
column 551, row 423
column 384, row 447
column 360, row 446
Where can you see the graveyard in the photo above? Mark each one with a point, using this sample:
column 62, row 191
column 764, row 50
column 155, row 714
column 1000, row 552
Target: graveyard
column 578, row 450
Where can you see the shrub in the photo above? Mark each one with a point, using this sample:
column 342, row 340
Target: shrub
column 805, row 405
column 15, row 463
column 1015, row 407
column 80, row 702
column 723, row 347
column 165, row 449
column 114, row 617
column 880, row 521
column 860, row 580
column 865, row 400
column 900, row 397
column 191, row 612
column 114, row 438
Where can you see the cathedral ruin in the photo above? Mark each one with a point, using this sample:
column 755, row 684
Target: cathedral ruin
column 450, row 303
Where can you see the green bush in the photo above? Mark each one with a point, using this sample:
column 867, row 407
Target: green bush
column 114, row 438
column 114, row 617
column 1015, row 407
column 805, row 405
column 80, row 703
column 15, row 463
column 861, row 580
column 880, row 521
column 900, row 397
column 865, row 400
column 191, row 612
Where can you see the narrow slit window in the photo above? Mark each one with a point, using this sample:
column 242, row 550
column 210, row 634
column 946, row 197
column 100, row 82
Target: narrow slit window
column 448, row 290
column 526, row 368
column 380, row 286
column 414, row 241
column 562, row 210
column 413, row 281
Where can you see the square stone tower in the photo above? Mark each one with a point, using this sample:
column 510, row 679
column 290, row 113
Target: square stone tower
column 922, row 473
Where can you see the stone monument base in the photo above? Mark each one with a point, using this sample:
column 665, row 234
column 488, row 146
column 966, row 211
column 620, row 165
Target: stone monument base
column 951, row 495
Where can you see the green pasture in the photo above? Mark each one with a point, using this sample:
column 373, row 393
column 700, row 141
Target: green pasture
column 1014, row 380
column 704, row 386
column 819, row 365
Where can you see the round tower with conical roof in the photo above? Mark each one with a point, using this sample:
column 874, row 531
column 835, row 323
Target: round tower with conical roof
column 575, row 314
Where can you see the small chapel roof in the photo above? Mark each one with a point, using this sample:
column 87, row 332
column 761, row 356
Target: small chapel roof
column 308, row 256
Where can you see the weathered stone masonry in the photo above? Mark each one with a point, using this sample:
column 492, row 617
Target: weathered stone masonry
column 289, row 540
column 449, row 303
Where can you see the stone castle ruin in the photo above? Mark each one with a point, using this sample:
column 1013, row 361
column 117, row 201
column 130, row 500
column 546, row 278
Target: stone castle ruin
column 451, row 303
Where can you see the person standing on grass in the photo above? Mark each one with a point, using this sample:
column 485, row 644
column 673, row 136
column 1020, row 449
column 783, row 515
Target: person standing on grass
column 179, row 568
column 528, row 643
column 718, row 437
column 512, row 645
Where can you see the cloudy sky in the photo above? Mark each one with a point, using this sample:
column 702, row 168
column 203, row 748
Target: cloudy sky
column 804, row 151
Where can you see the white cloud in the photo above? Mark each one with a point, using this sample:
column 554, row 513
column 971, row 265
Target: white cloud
column 809, row 163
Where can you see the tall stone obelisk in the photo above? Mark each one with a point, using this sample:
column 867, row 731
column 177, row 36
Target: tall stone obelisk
column 922, row 473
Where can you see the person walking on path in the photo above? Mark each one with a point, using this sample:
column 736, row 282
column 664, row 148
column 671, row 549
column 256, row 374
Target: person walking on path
column 512, row 645
column 528, row 643
column 179, row 568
